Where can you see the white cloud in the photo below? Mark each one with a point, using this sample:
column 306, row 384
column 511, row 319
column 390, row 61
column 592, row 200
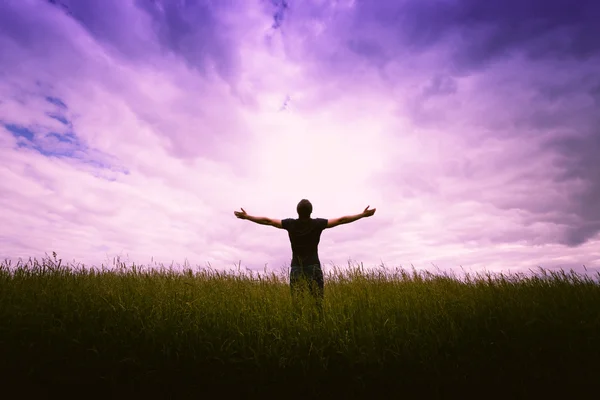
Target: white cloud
column 179, row 145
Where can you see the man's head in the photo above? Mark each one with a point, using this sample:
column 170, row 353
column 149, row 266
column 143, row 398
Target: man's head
column 304, row 209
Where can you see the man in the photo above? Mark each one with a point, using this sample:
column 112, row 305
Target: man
column 305, row 234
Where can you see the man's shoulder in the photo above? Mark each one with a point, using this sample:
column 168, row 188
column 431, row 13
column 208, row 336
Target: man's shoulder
column 321, row 222
column 286, row 222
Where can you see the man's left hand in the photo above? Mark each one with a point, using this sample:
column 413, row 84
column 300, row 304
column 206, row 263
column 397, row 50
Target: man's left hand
column 241, row 214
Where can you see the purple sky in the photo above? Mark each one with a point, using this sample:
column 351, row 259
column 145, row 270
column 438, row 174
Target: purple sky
column 136, row 128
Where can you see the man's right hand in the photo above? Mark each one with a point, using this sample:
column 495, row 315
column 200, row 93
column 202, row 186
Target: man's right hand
column 368, row 213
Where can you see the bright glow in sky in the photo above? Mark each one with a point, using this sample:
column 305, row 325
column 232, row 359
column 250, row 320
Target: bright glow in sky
column 136, row 128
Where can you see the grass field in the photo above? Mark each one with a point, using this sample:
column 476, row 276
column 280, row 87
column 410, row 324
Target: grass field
column 134, row 330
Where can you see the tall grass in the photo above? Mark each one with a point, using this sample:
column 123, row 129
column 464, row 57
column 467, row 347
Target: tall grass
column 191, row 332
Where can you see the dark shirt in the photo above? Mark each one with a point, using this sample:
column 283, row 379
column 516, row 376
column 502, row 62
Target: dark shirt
column 305, row 235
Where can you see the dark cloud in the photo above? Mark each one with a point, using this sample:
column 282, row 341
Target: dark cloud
column 61, row 5
column 541, row 28
column 30, row 41
column 421, row 111
column 110, row 22
column 580, row 163
column 190, row 29
column 473, row 32
column 12, row 26
column 281, row 7
column 440, row 85
column 483, row 30
column 194, row 31
column 566, row 114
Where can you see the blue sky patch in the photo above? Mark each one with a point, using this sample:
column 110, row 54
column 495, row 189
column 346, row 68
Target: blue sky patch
column 59, row 118
column 65, row 145
column 19, row 131
column 56, row 101
column 66, row 138
column 52, row 141
column 49, row 144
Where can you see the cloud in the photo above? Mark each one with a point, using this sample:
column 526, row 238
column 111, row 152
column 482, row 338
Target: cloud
column 91, row 120
column 137, row 127
column 516, row 83
column 281, row 7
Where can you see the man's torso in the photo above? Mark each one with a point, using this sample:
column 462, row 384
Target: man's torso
column 304, row 235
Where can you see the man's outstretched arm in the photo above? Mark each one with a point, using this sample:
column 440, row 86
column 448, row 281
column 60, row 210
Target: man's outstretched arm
column 350, row 218
column 259, row 220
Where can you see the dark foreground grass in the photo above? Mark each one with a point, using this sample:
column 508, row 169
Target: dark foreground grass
column 160, row 333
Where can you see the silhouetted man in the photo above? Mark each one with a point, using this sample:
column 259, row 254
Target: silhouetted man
column 305, row 234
